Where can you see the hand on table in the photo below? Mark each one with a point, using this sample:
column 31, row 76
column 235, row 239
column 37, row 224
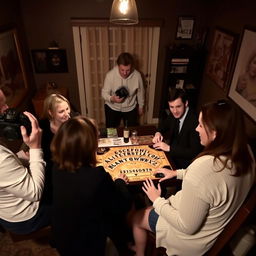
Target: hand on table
column 162, row 145
column 168, row 174
column 123, row 177
column 157, row 138
column 151, row 191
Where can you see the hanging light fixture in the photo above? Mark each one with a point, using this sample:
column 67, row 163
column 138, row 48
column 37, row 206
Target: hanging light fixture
column 124, row 12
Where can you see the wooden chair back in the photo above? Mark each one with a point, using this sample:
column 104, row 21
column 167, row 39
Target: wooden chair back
column 235, row 224
column 227, row 234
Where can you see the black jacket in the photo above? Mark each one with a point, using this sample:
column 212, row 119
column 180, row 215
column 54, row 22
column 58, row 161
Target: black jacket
column 186, row 146
column 85, row 204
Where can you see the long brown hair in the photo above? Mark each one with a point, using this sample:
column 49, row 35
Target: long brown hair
column 75, row 144
column 231, row 141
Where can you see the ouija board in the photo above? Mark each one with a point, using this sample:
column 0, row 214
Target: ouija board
column 137, row 162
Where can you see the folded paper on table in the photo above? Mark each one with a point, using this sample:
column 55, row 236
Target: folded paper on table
column 113, row 142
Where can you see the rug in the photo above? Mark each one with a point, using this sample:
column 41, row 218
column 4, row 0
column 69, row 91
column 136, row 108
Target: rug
column 38, row 247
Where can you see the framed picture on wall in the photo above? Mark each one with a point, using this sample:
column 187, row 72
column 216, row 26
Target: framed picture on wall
column 218, row 66
column 49, row 60
column 13, row 79
column 243, row 85
column 185, row 27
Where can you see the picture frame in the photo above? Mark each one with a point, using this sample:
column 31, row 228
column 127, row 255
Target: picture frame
column 243, row 85
column 185, row 27
column 220, row 58
column 13, row 77
column 49, row 60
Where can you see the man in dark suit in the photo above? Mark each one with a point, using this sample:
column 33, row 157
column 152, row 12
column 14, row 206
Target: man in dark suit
column 176, row 133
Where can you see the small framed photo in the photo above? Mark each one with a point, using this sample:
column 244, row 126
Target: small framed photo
column 243, row 85
column 185, row 28
column 220, row 57
column 50, row 60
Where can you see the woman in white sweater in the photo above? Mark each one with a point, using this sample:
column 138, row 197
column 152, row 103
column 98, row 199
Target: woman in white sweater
column 214, row 187
column 21, row 188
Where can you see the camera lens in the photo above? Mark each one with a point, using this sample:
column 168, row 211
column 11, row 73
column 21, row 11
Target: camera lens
column 10, row 123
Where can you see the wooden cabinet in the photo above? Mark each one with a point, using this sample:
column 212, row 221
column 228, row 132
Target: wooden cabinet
column 38, row 99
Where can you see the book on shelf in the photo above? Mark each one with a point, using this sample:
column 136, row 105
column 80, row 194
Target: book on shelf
column 180, row 60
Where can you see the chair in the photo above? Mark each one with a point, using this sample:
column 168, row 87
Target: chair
column 235, row 224
column 43, row 232
column 222, row 243
column 151, row 249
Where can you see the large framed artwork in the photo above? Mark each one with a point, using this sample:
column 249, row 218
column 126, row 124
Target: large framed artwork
column 50, row 60
column 243, row 85
column 13, row 79
column 218, row 66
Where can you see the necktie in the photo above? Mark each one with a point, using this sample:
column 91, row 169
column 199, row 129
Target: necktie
column 175, row 130
column 176, row 127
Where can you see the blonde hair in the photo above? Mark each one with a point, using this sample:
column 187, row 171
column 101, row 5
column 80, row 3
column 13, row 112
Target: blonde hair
column 50, row 104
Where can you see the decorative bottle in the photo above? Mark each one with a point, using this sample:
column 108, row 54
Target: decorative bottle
column 126, row 133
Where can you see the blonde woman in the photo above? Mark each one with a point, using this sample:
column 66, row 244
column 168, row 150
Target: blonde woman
column 56, row 111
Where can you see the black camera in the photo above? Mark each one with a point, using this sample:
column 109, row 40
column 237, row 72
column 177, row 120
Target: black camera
column 122, row 92
column 10, row 122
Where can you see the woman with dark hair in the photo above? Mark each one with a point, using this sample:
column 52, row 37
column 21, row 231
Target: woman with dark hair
column 214, row 186
column 85, row 199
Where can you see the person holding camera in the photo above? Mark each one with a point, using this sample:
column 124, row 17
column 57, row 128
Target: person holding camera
column 21, row 188
column 122, row 91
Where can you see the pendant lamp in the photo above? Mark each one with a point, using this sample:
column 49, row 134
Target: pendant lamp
column 124, row 12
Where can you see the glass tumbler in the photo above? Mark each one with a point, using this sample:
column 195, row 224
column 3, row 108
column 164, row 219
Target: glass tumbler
column 134, row 137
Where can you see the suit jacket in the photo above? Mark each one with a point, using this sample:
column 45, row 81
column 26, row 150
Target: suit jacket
column 186, row 145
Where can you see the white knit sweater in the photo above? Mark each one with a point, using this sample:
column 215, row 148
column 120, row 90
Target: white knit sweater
column 191, row 220
column 20, row 188
column 134, row 85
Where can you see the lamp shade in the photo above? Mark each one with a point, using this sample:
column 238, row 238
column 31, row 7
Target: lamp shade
column 124, row 12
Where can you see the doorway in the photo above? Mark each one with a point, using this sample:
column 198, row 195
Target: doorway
column 97, row 46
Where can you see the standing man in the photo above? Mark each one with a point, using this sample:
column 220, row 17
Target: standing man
column 177, row 134
column 123, row 93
